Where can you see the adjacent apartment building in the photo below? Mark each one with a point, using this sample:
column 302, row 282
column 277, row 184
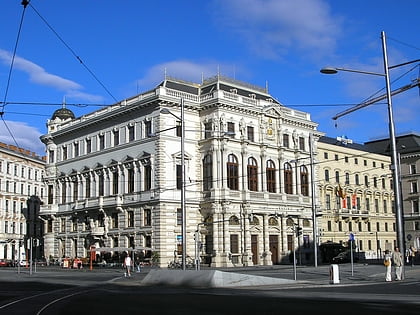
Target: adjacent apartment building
column 356, row 196
column 408, row 149
column 114, row 176
column 21, row 190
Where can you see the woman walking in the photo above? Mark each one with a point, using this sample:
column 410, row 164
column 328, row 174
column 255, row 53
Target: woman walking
column 387, row 264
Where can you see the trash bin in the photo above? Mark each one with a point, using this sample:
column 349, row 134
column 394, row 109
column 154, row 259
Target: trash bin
column 334, row 274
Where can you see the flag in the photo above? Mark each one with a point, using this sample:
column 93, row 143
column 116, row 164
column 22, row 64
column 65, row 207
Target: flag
column 340, row 192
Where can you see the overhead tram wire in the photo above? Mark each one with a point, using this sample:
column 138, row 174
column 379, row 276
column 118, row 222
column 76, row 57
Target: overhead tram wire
column 24, row 3
column 73, row 53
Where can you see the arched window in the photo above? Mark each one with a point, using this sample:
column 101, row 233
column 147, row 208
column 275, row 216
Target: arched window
column 252, row 169
column 271, row 176
column 304, row 182
column 207, row 172
column 288, row 179
column 337, row 176
column 233, row 220
column 327, row 175
column 232, row 172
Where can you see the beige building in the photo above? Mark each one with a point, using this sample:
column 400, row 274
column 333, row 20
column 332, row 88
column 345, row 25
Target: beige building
column 408, row 148
column 356, row 196
column 21, row 173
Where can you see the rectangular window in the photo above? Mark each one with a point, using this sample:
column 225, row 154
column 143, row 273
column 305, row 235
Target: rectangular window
column 50, row 194
column 147, row 217
column 376, row 205
column 234, row 243
column 413, row 169
column 336, row 157
column 88, row 146
column 50, row 159
column 76, row 149
column 115, row 182
column 63, row 224
column 148, row 128
column 178, row 129
column 179, row 216
column 414, row 187
column 131, row 134
column 147, row 177
column 385, row 206
column 367, row 204
column 250, row 133
column 130, row 181
column 101, row 142
column 326, row 155
column 87, row 187
column 101, row 186
column 116, row 137
column 328, row 201
column 179, row 176
column 63, row 193
column 231, row 129
column 302, row 143
column 75, row 190
column 208, row 128
column 130, row 218
column 286, row 142
column 114, row 220
column 64, row 153
column 415, row 206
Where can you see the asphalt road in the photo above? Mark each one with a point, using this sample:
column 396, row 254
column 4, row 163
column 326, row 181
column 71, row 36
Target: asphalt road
column 106, row 291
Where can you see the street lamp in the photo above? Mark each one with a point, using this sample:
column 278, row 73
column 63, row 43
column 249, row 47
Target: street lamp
column 394, row 157
column 183, row 210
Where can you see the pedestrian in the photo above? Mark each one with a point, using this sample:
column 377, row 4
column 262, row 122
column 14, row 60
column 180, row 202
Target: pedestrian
column 413, row 252
column 387, row 264
column 398, row 261
column 127, row 265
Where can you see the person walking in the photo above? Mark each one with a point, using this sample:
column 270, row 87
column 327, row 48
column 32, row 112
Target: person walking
column 387, row 264
column 127, row 265
column 398, row 260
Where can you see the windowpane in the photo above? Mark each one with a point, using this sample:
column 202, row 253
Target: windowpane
column 252, row 174
column 271, row 176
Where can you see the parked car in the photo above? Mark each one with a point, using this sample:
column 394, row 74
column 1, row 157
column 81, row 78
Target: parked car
column 344, row 257
column 22, row 263
column 5, row 263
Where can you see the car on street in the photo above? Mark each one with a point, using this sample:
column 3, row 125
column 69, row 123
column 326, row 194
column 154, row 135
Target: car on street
column 344, row 257
column 5, row 263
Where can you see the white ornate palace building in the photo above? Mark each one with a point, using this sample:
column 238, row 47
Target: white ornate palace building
column 114, row 176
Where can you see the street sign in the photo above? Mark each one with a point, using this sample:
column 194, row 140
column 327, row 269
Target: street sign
column 351, row 237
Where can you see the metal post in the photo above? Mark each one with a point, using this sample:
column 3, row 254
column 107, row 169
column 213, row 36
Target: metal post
column 30, row 260
column 313, row 192
column 183, row 210
column 294, row 253
column 394, row 156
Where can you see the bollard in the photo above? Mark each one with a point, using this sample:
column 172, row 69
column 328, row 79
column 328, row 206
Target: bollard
column 334, row 274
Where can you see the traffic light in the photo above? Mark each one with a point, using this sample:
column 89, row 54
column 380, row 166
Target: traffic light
column 298, row 231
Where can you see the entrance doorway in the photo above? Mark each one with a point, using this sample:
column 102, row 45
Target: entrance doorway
column 274, row 248
column 254, row 249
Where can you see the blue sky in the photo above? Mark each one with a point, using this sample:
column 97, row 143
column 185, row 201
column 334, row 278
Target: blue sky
column 126, row 46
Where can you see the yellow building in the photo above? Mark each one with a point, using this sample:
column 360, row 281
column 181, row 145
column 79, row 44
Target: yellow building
column 356, row 197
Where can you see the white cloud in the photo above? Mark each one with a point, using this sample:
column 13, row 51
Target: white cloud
column 180, row 69
column 39, row 76
column 27, row 137
column 272, row 28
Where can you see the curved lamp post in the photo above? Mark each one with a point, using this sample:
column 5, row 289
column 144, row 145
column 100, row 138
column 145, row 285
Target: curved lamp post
column 394, row 156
